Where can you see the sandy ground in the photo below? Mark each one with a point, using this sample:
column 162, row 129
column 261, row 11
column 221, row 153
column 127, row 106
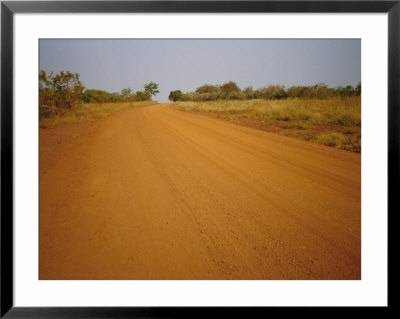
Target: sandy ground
column 154, row 193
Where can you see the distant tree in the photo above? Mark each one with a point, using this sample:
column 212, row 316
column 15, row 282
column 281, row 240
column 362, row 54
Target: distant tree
column 235, row 95
column 115, row 97
column 99, row 96
column 142, row 96
column 249, row 93
column 272, row 92
column 68, row 89
column 44, row 81
column 358, row 89
column 229, row 87
column 189, row 96
column 348, row 91
column 151, row 88
column 59, row 92
column 207, row 88
column 126, row 94
column 322, row 91
column 277, row 92
column 345, row 91
column 175, row 95
column 45, row 90
column 230, row 91
column 295, row 92
column 338, row 90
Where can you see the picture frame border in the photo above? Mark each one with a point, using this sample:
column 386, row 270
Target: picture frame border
column 9, row 8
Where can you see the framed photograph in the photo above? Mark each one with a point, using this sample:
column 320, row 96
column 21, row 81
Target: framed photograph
column 188, row 158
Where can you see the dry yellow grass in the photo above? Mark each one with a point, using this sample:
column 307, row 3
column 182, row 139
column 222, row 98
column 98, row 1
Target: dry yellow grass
column 334, row 122
column 90, row 111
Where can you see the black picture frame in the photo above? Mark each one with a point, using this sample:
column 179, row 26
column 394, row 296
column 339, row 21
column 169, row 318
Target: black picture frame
column 9, row 8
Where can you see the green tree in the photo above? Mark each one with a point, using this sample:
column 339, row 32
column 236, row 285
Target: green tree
column 229, row 87
column 175, row 95
column 142, row 96
column 249, row 93
column 207, row 88
column 126, row 94
column 151, row 88
column 322, row 91
column 44, row 81
column 358, row 89
column 59, row 92
column 348, row 91
column 115, row 97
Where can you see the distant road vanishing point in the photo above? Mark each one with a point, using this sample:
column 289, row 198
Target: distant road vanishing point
column 155, row 193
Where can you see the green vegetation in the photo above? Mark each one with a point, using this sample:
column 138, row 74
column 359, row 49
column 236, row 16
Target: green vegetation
column 126, row 94
column 151, row 88
column 329, row 116
column 230, row 91
column 142, row 96
column 175, row 95
column 64, row 99
column 62, row 91
column 333, row 121
column 99, row 96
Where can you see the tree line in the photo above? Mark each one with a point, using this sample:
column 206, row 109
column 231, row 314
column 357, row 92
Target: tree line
column 231, row 91
column 59, row 93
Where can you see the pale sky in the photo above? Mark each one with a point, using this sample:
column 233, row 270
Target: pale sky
column 186, row 64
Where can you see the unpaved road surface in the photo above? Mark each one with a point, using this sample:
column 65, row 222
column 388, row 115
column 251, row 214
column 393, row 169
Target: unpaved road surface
column 154, row 193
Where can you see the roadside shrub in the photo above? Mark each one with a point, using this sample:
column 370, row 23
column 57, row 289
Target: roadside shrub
column 175, row 95
column 339, row 140
column 207, row 88
column 62, row 90
column 229, row 87
column 142, row 96
column 249, row 93
column 235, row 95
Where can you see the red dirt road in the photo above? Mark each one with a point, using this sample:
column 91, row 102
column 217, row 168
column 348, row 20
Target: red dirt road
column 154, row 193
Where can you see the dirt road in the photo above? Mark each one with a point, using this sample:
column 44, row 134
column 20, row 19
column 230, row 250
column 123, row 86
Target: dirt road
column 154, row 193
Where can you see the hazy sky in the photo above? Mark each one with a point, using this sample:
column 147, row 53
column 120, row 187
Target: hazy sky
column 112, row 65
